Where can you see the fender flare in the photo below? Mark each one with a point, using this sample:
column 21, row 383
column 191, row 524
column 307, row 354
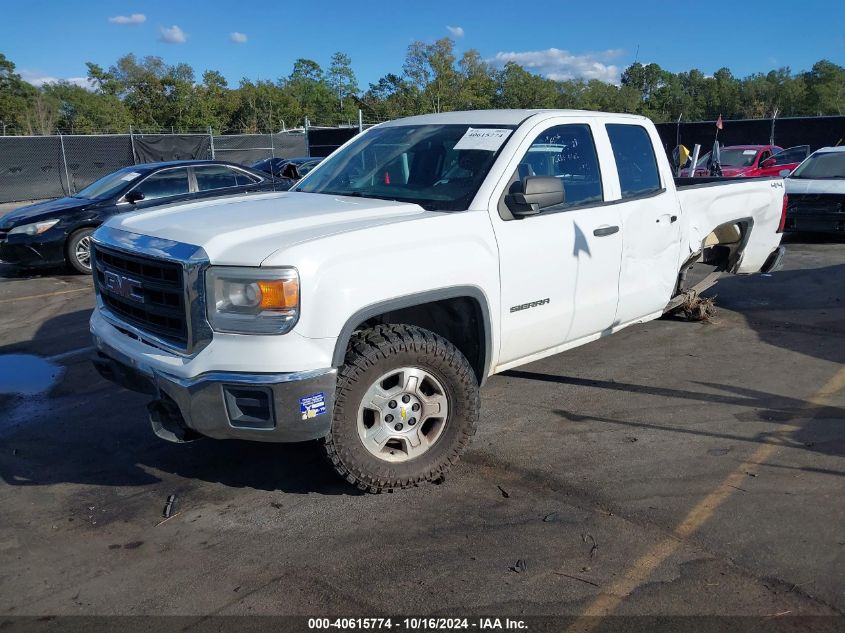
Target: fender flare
column 416, row 299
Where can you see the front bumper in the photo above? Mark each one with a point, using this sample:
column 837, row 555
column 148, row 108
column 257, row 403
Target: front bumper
column 34, row 251
column 284, row 407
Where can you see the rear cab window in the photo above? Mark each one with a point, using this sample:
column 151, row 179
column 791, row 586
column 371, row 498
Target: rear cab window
column 636, row 163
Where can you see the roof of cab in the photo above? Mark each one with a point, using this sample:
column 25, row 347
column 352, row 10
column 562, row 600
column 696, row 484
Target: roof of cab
column 496, row 117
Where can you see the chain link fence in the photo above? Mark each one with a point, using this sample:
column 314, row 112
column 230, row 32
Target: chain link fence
column 38, row 167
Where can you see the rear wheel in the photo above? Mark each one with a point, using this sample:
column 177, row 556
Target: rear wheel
column 79, row 250
column 406, row 406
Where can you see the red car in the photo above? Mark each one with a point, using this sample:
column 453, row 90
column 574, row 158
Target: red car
column 752, row 161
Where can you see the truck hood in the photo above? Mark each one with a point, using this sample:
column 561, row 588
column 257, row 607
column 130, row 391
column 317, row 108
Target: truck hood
column 246, row 230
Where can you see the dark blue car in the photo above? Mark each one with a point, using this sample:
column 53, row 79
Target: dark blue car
column 58, row 232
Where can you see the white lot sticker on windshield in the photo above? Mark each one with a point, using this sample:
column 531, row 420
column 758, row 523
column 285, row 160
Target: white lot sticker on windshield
column 487, row 139
column 132, row 175
column 749, row 152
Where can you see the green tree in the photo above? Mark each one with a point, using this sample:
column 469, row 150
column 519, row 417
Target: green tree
column 430, row 68
column 343, row 84
column 518, row 88
column 826, row 88
column 15, row 95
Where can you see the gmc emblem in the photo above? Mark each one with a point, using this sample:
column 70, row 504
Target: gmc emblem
column 124, row 286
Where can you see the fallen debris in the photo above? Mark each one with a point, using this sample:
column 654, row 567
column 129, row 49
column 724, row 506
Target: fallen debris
column 519, row 566
column 587, row 538
column 550, row 517
column 697, row 308
column 168, row 508
column 589, row 582
column 167, row 519
column 504, row 492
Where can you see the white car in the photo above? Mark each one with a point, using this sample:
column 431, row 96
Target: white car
column 366, row 306
column 816, row 192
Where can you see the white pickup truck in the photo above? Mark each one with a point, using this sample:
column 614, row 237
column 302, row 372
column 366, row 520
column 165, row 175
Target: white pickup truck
column 367, row 305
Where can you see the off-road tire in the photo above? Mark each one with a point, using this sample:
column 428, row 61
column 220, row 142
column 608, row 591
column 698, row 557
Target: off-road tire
column 73, row 242
column 373, row 352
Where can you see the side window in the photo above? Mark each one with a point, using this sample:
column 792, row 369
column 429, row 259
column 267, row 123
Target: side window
column 791, row 155
column 170, row 182
column 566, row 152
column 216, row 177
column 635, row 160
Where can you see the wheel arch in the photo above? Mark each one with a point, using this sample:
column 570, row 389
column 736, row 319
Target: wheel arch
column 433, row 310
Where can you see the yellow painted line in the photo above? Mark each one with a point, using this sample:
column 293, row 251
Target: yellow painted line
column 49, row 294
column 610, row 598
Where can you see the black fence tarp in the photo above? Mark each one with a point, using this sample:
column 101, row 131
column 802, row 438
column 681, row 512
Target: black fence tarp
column 251, row 148
column 37, row 167
column 92, row 157
column 31, row 168
column 813, row 131
column 322, row 142
column 162, row 147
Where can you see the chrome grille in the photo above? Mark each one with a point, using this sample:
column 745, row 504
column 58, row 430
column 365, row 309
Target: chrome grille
column 144, row 292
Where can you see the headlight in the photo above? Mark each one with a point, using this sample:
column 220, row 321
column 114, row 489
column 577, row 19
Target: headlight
column 36, row 228
column 252, row 300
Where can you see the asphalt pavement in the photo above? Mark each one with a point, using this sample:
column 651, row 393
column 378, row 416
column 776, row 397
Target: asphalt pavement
column 673, row 468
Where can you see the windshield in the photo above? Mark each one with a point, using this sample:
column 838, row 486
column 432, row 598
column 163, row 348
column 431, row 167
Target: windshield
column 108, row 186
column 737, row 157
column 439, row 167
column 821, row 166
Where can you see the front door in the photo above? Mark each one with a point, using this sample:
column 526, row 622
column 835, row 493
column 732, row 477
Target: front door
column 560, row 268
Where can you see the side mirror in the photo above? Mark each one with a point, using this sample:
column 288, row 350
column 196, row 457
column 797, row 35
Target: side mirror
column 538, row 192
column 134, row 196
column 783, row 173
column 769, row 162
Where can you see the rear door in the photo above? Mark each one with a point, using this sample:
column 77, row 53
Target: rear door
column 650, row 223
column 559, row 269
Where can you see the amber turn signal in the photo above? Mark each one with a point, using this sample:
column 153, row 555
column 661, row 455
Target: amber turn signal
column 278, row 294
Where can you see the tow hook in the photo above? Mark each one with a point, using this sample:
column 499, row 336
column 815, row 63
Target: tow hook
column 168, row 423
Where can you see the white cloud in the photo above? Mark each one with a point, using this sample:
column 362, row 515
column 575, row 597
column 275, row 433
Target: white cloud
column 561, row 65
column 456, row 31
column 40, row 79
column 135, row 18
column 172, row 35
column 238, row 38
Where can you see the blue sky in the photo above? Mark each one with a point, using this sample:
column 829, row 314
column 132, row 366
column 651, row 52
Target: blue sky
column 561, row 39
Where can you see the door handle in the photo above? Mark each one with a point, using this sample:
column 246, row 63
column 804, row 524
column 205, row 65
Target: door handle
column 672, row 218
column 605, row 230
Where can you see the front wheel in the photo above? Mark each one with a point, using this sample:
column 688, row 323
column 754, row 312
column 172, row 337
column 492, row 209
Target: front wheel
column 79, row 250
column 407, row 404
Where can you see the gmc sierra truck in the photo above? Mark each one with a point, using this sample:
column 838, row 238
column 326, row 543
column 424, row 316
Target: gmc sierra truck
column 365, row 307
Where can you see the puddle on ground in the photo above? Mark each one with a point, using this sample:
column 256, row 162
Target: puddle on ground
column 27, row 375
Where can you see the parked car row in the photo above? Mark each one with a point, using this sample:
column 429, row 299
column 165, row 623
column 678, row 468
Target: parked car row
column 751, row 161
column 57, row 232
